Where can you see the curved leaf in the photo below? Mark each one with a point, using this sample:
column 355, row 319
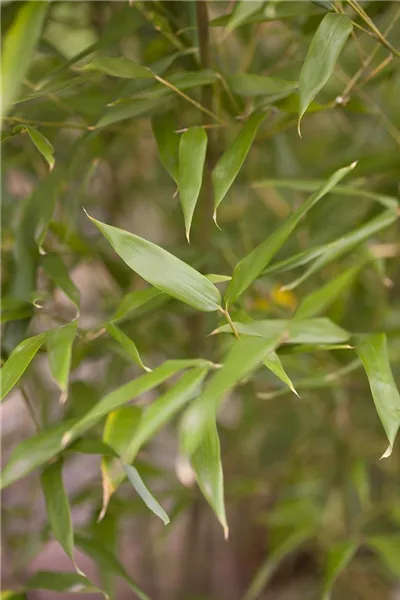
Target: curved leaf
column 134, row 300
column 192, row 155
column 242, row 11
column 126, row 343
column 324, row 50
column 144, row 493
column 17, row 362
column 163, row 270
column 59, row 581
column 338, row 558
column 273, row 363
column 40, row 141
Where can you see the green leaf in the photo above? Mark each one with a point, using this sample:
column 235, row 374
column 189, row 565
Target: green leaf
column 273, row 363
column 92, row 446
column 118, row 67
column 250, row 85
column 133, row 301
column 338, row 558
column 59, row 351
column 107, row 562
column 228, row 166
column 126, row 343
column 242, row 11
column 128, row 110
column 252, row 265
column 319, row 300
column 118, row 431
column 267, row 568
column 128, row 392
column 206, row 462
column 244, row 356
column 388, row 549
column 58, row 510
column 163, row 270
column 144, row 493
column 167, row 143
column 55, row 268
column 324, row 50
column 306, row 331
column 40, row 141
column 18, row 362
column 215, row 278
column 330, row 252
column 162, row 410
column 10, row 595
column 18, row 49
column 62, row 582
column 192, row 155
column 373, row 352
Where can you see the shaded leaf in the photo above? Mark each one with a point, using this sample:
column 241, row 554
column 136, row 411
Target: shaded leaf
column 128, row 110
column 338, row 558
column 130, row 302
column 126, row 343
column 242, row 11
column 163, row 270
column 59, row 351
column 206, row 462
column 92, row 446
column 250, row 85
column 144, row 493
column 228, row 166
column 244, row 356
column 18, row 49
column 273, row 363
column 17, row 362
column 40, row 141
column 167, row 143
column 388, row 549
column 252, row 265
column 324, row 50
column 192, row 155
column 119, row 66
column 55, row 268
column 373, row 352
column 62, row 582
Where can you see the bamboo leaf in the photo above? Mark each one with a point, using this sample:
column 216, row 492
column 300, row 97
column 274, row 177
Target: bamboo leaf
column 273, row 363
column 119, row 66
column 59, row 351
column 18, row 49
column 206, row 462
column 244, row 356
column 144, row 493
column 252, row 265
column 55, row 268
column 228, row 166
column 242, row 11
column 373, row 352
column 62, row 582
column 134, row 300
column 388, row 549
column 192, row 155
column 126, row 343
column 40, row 141
column 17, row 362
column 167, row 143
column 163, row 270
column 338, row 558
column 250, row 85
column 324, row 50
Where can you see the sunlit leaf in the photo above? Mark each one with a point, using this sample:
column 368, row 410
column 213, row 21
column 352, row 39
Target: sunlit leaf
column 373, row 351
column 252, row 265
column 228, row 166
column 192, row 155
column 167, row 143
column 338, row 558
column 17, row 363
column 119, row 66
column 206, row 462
column 273, row 363
column 126, row 343
column 244, row 356
column 18, row 49
column 59, row 351
column 40, row 141
column 144, row 493
column 163, row 270
column 324, row 50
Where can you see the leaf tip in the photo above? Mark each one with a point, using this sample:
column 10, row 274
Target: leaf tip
column 353, row 164
column 226, row 532
column 215, row 220
column 387, row 452
column 63, row 397
column 298, row 128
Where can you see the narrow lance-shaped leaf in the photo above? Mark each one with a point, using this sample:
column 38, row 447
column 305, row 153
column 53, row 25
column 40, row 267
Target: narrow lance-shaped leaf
column 243, row 357
column 338, row 558
column 192, row 155
column 55, row 268
column 40, row 141
column 324, row 50
column 133, row 301
column 58, row 510
column 167, row 143
column 59, row 351
column 145, row 494
column 273, row 363
column 242, row 11
column 250, row 267
column 372, row 349
column 388, row 549
column 126, row 343
column 17, row 362
column 250, row 85
column 163, row 270
column 228, row 166
column 62, row 582
column 18, row 49
column 206, row 462
column 118, row 431
column 119, row 66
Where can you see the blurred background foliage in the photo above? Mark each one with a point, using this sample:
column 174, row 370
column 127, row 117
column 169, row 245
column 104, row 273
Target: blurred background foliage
column 305, row 490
